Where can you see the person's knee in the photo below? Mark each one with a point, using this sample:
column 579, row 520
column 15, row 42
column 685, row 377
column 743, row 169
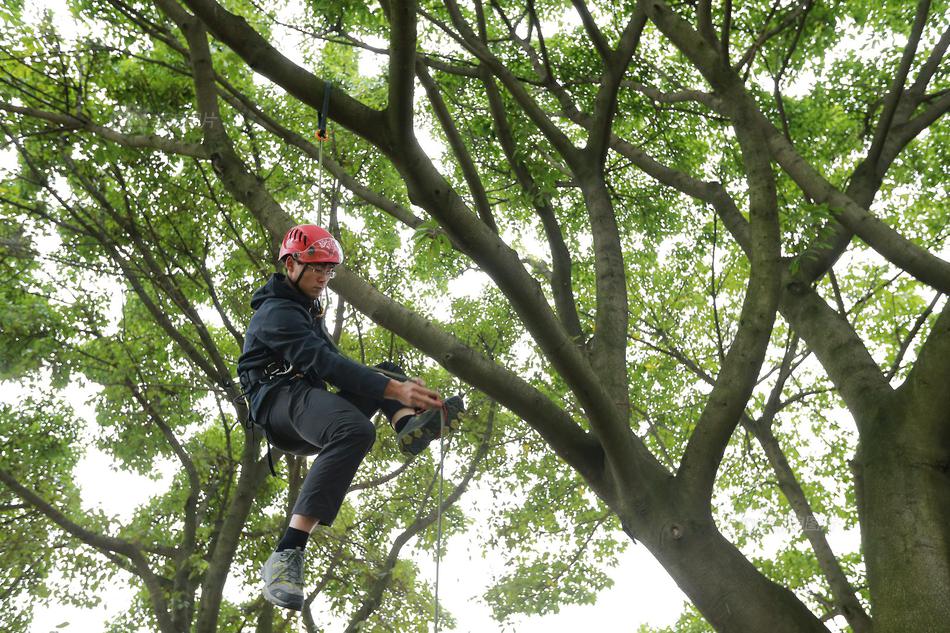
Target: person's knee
column 362, row 433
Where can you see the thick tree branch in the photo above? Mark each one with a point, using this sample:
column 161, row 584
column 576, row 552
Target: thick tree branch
column 906, row 132
column 261, row 56
column 930, row 67
column 593, row 31
column 605, row 103
column 726, row 30
column 739, row 370
column 897, row 249
column 608, row 348
column 704, row 23
column 840, row 350
column 896, row 90
column 402, row 66
column 550, row 421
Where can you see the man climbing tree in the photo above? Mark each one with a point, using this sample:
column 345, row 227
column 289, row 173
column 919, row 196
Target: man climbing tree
column 287, row 361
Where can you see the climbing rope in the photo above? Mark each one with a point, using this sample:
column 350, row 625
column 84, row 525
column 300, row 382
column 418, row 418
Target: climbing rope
column 438, row 542
column 444, row 411
column 322, row 136
column 321, row 139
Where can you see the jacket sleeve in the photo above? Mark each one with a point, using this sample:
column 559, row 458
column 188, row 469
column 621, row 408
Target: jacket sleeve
column 287, row 329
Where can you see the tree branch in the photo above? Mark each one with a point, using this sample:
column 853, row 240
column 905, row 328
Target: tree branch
column 766, row 35
column 897, row 249
column 534, row 111
column 106, row 544
column 243, row 104
column 550, row 421
column 896, row 90
column 560, row 255
column 911, row 335
column 261, row 56
column 841, row 588
column 840, row 350
column 372, row 597
column 930, row 67
column 605, row 103
column 134, row 141
column 926, row 384
column 593, row 31
column 402, row 66
column 469, row 171
column 736, row 379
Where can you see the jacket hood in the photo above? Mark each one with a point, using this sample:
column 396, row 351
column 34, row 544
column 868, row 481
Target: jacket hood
column 277, row 287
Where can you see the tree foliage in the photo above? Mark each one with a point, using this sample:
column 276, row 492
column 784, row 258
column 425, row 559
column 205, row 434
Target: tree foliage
column 688, row 262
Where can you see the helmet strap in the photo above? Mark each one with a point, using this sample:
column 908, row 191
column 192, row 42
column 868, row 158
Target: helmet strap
column 293, row 282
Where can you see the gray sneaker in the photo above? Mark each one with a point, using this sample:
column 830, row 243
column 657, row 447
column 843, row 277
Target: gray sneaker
column 283, row 579
column 424, row 427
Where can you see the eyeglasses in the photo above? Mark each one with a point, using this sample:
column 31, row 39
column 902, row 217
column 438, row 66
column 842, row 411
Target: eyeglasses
column 322, row 269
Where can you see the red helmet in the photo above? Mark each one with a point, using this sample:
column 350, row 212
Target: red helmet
column 310, row 244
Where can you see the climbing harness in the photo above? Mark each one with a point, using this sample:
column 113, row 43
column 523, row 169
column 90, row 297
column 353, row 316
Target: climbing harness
column 276, row 370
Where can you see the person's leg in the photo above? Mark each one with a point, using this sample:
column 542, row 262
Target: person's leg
column 396, row 412
column 415, row 430
column 344, row 435
column 307, row 420
column 283, row 572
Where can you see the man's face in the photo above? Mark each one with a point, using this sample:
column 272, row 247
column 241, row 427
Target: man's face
column 311, row 279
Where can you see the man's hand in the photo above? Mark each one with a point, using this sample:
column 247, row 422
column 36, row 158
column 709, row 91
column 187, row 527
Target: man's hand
column 413, row 394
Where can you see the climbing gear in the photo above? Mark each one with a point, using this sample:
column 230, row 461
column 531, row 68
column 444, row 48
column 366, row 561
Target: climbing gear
column 283, row 577
column 438, row 541
column 311, row 244
column 322, row 137
column 275, row 370
column 424, row 427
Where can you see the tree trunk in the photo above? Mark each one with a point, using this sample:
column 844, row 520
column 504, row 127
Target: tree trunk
column 726, row 588
column 905, row 517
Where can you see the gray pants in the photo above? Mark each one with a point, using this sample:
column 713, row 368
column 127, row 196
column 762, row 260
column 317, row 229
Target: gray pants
column 304, row 420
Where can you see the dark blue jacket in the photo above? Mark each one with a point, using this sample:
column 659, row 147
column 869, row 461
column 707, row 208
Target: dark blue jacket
column 287, row 330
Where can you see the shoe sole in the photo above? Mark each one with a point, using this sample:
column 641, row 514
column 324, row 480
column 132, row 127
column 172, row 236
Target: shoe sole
column 295, row 604
column 428, row 426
